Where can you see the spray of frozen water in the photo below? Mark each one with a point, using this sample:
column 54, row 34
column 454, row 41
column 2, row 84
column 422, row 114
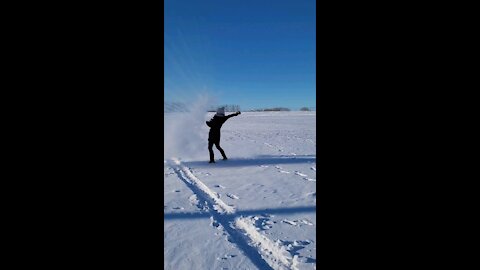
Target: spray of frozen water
column 185, row 133
column 188, row 86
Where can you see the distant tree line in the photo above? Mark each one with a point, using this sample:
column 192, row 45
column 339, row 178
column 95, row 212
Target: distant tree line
column 282, row 109
column 276, row 109
column 181, row 107
column 228, row 108
column 306, row 109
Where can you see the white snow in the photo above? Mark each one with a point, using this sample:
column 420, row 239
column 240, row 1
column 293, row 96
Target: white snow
column 253, row 211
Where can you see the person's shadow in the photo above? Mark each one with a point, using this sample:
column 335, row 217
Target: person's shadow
column 255, row 161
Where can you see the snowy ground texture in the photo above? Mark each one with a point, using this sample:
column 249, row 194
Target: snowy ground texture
column 253, row 211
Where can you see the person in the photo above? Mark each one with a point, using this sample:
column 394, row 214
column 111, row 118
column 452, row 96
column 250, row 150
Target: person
column 214, row 135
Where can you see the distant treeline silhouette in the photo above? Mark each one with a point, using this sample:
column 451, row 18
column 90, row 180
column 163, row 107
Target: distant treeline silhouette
column 282, row 109
column 276, row 109
column 181, row 107
column 228, row 108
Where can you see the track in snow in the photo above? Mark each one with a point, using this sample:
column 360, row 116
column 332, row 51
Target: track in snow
column 263, row 252
column 304, row 176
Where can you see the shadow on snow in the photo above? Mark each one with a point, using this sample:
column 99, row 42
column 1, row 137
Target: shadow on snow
column 256, row 161
column 279, row 211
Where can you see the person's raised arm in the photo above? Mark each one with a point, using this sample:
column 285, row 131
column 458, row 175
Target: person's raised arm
column 233, row 114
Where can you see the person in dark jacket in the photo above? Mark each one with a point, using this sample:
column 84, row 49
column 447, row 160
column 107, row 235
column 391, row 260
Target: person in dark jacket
column 214, row 135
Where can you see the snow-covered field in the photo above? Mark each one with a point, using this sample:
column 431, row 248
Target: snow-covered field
column 253, row 211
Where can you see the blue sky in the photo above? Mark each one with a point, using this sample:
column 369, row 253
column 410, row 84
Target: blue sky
column 255, row 54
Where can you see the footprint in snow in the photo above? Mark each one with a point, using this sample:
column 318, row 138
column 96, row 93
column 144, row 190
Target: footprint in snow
column 289, row 222
column 225, row 258
column 310, row 179
column 304, row 221
column 295, row 246
column 178, row 208
column 301, row 243
column 281, row 171
column 232, row 196
column 313, row 168
column 295, row 243
column 299, row 173
column 297, row 222
column 264, row 166
column 176, row 190
column 214, row 223
column 262, row 223
column 219, row 186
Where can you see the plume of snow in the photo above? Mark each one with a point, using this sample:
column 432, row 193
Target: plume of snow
column 186, row 134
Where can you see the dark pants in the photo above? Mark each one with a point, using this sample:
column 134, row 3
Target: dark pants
column 217, row 144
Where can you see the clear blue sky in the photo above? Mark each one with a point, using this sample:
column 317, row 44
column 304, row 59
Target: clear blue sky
column 255, row 54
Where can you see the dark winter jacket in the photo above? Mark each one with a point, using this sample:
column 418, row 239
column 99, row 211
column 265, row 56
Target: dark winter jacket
column 215, row 124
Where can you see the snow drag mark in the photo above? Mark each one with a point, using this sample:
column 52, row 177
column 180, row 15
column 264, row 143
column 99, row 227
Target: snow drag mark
column 262, row 251
column 221, row 215
column 274, row 254
column 218, row 204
